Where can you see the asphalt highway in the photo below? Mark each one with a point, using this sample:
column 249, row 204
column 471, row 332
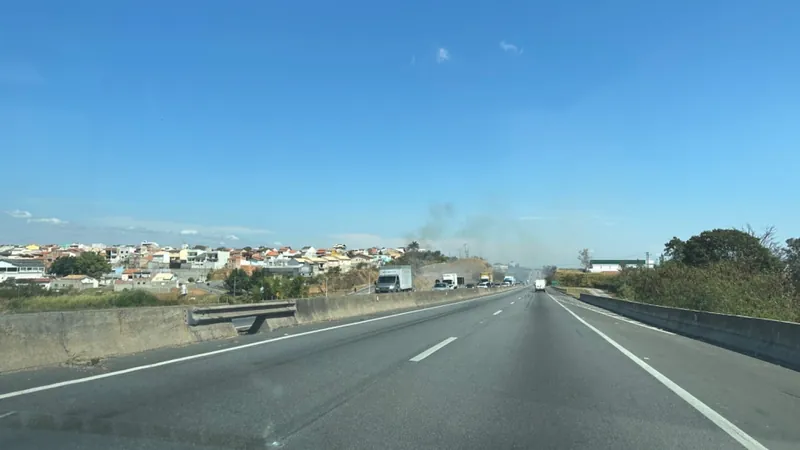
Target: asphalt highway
column 522, row 370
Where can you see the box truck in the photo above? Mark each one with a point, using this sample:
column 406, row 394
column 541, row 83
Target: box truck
column 394, row 279
column 450, row 279
column 539, row 285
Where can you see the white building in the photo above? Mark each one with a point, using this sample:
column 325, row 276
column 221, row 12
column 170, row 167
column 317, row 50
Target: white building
column 21, row 269
column 77, row 282
column 615, row 265
column 116, row 255
column 215, row 260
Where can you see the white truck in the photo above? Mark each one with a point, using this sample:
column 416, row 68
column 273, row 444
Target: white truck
column 450, row 279
column 539, row 285
column 509, row 280
column 394, row 279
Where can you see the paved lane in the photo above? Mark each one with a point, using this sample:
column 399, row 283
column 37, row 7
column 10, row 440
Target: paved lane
column 514, row 371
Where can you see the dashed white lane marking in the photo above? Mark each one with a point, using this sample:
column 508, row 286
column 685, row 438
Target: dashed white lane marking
column 727, row 426
column 432, row 350
column 497, row 312
column 512, row 303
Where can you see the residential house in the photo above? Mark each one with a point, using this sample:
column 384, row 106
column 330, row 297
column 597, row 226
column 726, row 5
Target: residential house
column 163, row 282
column 360, row 258
column 21, row 269
column 76, row 282
column 160, row 257
column 615, row 265
column 119, row 254
column 189, row 255
column 315, row 265
column 342, row 261
column 289, row 267
column 135, row 274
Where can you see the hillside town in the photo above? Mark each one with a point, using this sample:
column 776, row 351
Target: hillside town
column 150, row 266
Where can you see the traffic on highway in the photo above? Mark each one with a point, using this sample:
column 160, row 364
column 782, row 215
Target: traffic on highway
column 517, row 369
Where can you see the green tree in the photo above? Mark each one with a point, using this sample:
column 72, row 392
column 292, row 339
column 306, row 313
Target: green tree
column 413, row 246
column 791, row 257
column 723, row 245
column 237, row 282
column 87, row 263
column 295, row 287
column 64, row 266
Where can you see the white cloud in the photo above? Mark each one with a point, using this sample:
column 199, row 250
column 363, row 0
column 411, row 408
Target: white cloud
column 510, row 48
column 157, row 226
column 50, row 220
column 442, row 55
column 19, row 214
column 232, row 237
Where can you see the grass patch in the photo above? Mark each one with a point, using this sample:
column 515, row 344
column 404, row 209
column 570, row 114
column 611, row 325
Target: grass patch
column 99, row 300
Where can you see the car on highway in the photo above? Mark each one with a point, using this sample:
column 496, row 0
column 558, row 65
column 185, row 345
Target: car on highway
column 441, row 287
column 483, row 285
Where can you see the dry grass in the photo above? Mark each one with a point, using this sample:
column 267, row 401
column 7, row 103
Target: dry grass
column 100, row 300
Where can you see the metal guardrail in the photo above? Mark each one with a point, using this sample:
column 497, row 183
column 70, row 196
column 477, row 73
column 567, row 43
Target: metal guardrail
column 226, row 313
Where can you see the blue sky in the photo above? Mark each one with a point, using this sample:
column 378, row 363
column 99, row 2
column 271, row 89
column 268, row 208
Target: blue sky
column 526, row 129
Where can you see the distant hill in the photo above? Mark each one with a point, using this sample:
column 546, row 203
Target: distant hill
column 469, row 268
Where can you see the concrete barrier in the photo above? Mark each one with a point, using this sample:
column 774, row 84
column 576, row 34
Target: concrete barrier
column 84, row 337
column 320, row 309
column 771, row 340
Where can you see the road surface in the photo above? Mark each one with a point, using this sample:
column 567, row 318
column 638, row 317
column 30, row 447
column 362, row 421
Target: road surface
column 521, row 370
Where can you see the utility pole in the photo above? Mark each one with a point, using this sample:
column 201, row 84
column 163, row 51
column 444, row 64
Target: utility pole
column 647, row 260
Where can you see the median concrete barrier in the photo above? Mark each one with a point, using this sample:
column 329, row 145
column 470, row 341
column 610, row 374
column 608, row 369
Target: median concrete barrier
column 85, row 337
column 334, row 308
column 770, row 340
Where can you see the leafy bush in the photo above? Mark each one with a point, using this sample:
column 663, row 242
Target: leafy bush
column 135, row 298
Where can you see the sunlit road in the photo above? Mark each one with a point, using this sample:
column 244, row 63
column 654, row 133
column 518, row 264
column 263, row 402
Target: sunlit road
column 521, row 370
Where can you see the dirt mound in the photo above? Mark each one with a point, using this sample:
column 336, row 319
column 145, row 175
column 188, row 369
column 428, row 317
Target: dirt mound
column 469, row 268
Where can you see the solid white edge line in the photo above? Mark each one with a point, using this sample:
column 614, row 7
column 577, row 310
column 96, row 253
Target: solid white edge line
column 230, row 349
column 432, row 350
column 8, row 414
column 727, row 426
column 618, row 317
column 497, row 312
